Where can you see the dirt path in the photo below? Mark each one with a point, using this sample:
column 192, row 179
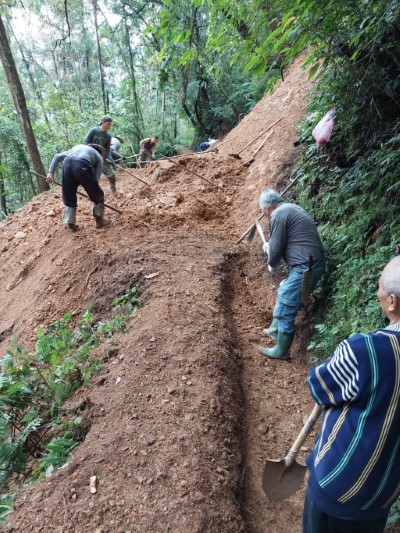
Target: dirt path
column 179, row 441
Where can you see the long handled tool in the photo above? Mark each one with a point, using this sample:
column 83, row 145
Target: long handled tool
column 249, row 162
column 251, row 229
column 283, row 477
column 260, row 231
column 237, row 155
column 86, row 196
column 80, row 194
column 192, row 171
column 131, row 173
column 195, row 173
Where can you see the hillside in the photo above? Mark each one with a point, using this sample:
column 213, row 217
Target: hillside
column 179, row 441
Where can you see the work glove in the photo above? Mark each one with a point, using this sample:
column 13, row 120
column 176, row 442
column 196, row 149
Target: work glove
column 265, row 248
column 272, row 269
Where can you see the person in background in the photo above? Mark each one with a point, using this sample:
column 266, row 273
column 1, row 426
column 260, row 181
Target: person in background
column 355, row 465
column 116, row 142
column 206, row 144
column 203, row 146
column 294, row 238
column 99, row 135
column 82, row 165
column 148, row 148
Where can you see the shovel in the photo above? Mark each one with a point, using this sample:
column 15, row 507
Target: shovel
column 283, row 477
column 249, row 162
column 261, row 232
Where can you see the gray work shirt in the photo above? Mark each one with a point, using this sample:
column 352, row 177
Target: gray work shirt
column 293, row 236
column 80, row 152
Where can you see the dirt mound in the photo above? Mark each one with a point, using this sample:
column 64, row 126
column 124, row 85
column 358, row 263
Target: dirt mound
column 184, row 413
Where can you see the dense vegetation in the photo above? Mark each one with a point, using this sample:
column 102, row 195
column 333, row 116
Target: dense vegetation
column 36, row 433
column 352, row 185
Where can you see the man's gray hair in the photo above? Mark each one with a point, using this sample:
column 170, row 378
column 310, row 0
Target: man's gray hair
column 269, row 198
column 390, row 279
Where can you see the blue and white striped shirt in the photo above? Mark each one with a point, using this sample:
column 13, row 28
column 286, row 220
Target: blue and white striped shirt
column 355, row 465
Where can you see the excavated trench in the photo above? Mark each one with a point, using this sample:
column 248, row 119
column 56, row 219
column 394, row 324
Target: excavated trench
column 185, row 410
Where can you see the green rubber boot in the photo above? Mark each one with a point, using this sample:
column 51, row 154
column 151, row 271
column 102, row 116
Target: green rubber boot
column 272, row 331
column 282, row 347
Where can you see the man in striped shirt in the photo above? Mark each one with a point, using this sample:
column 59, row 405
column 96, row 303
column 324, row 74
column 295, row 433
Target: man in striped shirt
column 355, row 465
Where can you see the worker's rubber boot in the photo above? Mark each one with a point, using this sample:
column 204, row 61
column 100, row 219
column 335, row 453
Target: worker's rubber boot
column 70, row 218
column 98, row 213
column 112, row 182
column 272, row 331
column 282, row 347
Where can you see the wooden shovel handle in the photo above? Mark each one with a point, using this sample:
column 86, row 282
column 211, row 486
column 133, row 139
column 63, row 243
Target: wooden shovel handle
column 306, row 429
column 131, row 174
column 262, row 214
column 260, row 231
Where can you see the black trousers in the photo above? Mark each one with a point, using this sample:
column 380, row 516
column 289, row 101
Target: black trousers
column 75, row 173
column 316, row 521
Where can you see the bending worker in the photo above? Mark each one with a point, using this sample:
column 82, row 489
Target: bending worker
column 294, row 238
column 116, row 142
column 82, row 165
column 355, row 465
column 99, row 135
column 148, row 148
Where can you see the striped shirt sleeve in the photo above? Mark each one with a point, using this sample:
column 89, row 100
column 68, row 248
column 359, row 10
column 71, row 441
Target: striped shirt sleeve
column 335, row 381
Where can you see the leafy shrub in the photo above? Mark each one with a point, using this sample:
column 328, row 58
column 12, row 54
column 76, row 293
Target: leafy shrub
column 34, row 438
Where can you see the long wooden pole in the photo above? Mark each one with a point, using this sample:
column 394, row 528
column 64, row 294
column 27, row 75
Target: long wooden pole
column 258, row 136
column 81, row 194
column 195, row 173
column 247, row 163
column 131, row 173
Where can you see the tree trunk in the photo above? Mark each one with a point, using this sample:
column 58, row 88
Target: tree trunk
column 17, row 92
column 35, row 87
column 133, row 75
column 103, row 90
column 3, row 202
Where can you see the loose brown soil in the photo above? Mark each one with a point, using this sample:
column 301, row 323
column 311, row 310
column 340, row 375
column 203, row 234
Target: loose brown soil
column 179, row 442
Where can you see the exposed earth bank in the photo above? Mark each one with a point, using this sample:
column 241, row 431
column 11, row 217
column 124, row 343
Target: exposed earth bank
column 184, row 411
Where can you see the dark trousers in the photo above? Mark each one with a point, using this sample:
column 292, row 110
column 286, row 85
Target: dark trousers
column 315, row 521
column 75, row 173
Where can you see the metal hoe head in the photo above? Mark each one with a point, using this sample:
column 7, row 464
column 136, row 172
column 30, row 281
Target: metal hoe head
column 281, row 481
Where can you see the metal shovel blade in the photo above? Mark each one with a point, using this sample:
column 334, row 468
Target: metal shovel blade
column 282, row 478
column 281, row 481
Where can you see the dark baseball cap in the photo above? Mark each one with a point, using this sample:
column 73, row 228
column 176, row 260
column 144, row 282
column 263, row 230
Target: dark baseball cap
column 105, row 119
